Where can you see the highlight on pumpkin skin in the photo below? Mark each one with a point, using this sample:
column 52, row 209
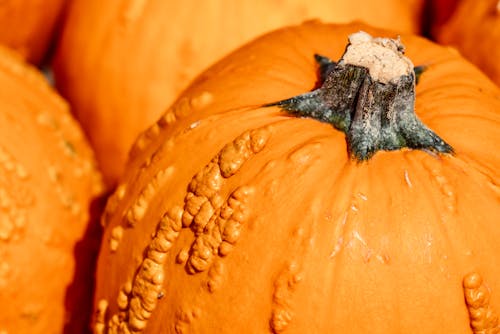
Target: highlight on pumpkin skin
column 369, row 94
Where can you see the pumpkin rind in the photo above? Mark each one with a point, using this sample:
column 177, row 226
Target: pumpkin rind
column 474, row 29
column 281, row 231
column 49, row 185
column 144, row 53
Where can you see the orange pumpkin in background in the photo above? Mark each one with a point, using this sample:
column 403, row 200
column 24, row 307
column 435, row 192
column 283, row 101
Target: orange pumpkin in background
column 474, row 29
column 49, row 232
column 236, row 216
column 29, row 25
column 122, row 63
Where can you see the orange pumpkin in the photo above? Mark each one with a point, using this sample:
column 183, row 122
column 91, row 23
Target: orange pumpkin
column 235, row 216
column 474, row 29
column 141, row 54
column 49, row 235
column 29, row 25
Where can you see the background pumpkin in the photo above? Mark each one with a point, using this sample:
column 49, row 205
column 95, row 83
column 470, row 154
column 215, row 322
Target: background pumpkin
column 49, row 235
column 474, row 29
column 141, row 54
column 29, row 25
column 286, row 233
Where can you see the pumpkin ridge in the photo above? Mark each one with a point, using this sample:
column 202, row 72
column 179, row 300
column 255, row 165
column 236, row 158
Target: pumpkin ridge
column 287, row 279
column 455, row 242
column 482, row 169
column 448, row 201
column 485, row 170
column 282, row 313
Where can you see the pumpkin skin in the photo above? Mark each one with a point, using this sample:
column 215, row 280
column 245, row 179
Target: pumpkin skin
column 474, row 29
column 49, row 234
column 298, row 237
column 144, row 53
column 29, row 25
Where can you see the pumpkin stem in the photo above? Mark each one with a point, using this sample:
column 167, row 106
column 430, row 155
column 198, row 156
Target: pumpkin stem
column 369, row 94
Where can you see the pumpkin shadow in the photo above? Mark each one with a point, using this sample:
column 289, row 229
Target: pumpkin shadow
column 79, row 294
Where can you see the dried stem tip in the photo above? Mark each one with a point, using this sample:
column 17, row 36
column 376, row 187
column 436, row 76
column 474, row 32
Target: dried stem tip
column 383, row 57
